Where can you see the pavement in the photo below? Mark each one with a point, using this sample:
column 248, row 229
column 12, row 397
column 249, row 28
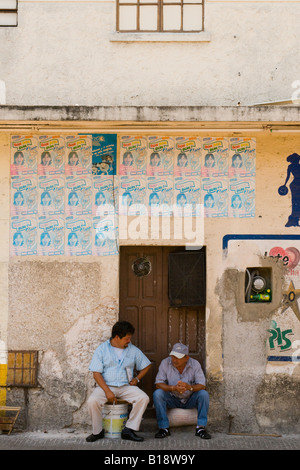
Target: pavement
column 182, row 443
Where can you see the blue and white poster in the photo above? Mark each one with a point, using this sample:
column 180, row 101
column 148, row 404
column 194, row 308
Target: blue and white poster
column 79, row 195
column 78, row 236
column 51, row 231
column 24, row 199
column 23, row 236
column 104, row 154
column 51, row 195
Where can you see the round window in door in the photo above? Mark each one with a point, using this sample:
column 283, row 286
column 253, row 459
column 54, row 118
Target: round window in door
column 141, row 267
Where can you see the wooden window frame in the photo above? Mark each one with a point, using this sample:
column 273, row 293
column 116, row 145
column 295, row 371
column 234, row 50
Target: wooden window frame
column 160, row 4
column 8, row 11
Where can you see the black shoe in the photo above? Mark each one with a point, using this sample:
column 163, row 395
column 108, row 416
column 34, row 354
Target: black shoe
column 201, row 432
column 130, row 435
column 162, row 433
column 95, row 437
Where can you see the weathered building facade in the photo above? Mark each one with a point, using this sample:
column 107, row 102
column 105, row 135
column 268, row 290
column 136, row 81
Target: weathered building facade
column 71, row 267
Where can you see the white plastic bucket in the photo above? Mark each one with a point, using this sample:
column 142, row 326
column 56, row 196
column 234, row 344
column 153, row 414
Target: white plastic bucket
column 114, row 419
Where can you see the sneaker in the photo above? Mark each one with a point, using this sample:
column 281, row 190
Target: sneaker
column 202, row 433
column 95, row 437
column 162, row 433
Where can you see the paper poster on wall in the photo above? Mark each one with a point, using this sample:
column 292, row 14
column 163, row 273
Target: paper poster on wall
column 24, row 154
column 242, row 157
column 23, row 236
column 161, row 154
column 187, row 156
column 105, row 236
column 241, row 197
column 160, row 194
column 132, row 195
column 51, row 195
column 78, row 236
column 105, row 195
column 79, row 195
column 215, row 153
column 187, row 196
column 51, row 231
column 214, row 194
column 51, row 157
column 104, row 154
column 78, row 155
column 24, row 198
column 133, row 155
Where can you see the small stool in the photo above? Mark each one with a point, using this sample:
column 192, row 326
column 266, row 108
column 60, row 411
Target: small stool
column 182, row 417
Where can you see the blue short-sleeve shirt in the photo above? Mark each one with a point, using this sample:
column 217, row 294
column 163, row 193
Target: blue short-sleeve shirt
column 112, row 368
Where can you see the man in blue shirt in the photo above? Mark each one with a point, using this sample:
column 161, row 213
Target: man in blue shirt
column 113, row 365
column 180, row 383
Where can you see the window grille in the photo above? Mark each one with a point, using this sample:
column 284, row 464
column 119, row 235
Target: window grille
column 22, row 368
column 178, row 16
column 8, row 12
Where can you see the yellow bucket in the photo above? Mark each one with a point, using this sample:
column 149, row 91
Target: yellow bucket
column 114, row 418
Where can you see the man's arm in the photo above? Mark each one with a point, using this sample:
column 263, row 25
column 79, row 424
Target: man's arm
column 101, row 382
column 140, row 375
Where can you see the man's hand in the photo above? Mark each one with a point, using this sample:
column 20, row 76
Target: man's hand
column 111, row 398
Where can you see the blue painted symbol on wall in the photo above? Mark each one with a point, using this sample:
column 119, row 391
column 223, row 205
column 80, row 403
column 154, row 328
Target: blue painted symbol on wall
column 293, row 170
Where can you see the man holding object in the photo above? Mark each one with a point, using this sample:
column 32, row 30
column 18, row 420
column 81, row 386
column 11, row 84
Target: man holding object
column 111, row 365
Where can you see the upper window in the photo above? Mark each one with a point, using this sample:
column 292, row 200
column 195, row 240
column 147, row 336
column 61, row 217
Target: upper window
column 8, row 12
column 177, row 16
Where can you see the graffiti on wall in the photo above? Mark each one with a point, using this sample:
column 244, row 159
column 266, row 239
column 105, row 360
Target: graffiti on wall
column 284, row 332
column 293, row 170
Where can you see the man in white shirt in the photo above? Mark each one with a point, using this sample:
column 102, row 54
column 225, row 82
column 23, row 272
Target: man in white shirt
column 113, row 365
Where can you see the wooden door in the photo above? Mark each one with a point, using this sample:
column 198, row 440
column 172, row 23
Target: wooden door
column 144, row 302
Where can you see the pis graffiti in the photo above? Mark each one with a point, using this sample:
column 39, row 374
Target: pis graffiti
column 279, row 337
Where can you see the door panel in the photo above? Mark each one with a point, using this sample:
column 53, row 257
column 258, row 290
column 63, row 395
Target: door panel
column 144, row 303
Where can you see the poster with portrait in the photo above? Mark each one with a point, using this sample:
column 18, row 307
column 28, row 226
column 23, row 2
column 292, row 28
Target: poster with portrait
column 215, row 151
column 160, row 194
column 78, row 236
column 23, row 231
column 105, row 235
column 187, row 156
column 187, row 196
column 51, row 235
column 214, row 194
column 160, row 156
column 132, row 195
column 51, row 195
column 78, row 195
column 24, row 197
column 105, row 195
column 242, row 157
column 24, row 154
column 241, row 197
column 133, row 155
column 104, row 154
column 78, row 160
column 51, row 156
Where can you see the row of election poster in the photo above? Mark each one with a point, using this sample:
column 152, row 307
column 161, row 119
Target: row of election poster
column 67, row 191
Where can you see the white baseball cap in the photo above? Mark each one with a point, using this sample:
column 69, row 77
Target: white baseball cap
column 179, row 350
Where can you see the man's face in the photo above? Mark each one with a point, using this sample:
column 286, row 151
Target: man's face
column 123, row 342
column 179, row 363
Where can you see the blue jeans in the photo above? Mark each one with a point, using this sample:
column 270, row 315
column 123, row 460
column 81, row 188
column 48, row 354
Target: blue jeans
column 163, row 400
